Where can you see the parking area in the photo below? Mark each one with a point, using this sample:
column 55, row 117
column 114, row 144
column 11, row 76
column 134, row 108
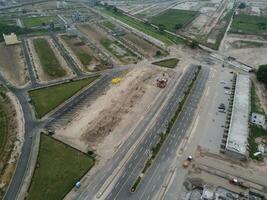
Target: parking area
column 213, row 130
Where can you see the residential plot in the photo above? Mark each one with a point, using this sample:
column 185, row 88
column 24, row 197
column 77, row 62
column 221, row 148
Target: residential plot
column 58, row 168
column 144, row 47
column 173, row 19
column 115, row 48
column 12, row 64
column 89, row 60
column 47, row 60
column 247, row 24
column 38, row 21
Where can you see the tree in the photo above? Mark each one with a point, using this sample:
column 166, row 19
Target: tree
column 242, row 5
column 262, row 74
column 115, row 9
column 194, row 44
column 178, row 26
column 158, row 53
column 161, row 27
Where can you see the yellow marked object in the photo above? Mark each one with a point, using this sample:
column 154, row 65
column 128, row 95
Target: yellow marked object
column 116, row 80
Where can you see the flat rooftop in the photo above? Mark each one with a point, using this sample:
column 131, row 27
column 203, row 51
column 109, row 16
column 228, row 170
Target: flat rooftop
column 238, row 131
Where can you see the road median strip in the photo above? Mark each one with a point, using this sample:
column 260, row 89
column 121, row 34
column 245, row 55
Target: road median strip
column 164, row 135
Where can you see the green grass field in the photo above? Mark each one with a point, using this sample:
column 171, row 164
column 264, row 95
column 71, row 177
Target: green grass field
column 172, row 18
column 249, row 24
column 30, row 22
column 50, row 63
column 145, row 28
column 169, row 63
column 45, row 100
column 3, row 130
column 58, row 168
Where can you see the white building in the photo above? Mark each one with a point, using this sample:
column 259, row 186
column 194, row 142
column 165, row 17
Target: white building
column 258, row 119
column 11, row 39
column 236, row 144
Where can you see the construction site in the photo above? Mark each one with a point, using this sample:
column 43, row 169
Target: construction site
column 147, row 99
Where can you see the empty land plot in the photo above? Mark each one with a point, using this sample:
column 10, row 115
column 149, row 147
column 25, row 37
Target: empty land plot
column 58, row 168
column 48, row 59
column 247, row 24
column 144, row 47
column 108, row 43
column 12, row 64
column 174, row 19
column 145, row 28
column 169, row 63
column 89, row 60
column 46, row 99
column 38, row 21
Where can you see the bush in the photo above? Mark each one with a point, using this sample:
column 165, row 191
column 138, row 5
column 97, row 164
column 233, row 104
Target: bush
column 262, row 74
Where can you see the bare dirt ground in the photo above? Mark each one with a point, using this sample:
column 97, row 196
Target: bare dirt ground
column 42, row 76
column 251, row 54
column 12, row 64
column 113, row 114
column 15, row 140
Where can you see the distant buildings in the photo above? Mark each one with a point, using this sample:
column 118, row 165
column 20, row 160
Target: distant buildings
column 11, row 39
column 92, row 2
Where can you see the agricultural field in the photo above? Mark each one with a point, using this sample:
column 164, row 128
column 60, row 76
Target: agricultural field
column 246, row 24
column 89, row 60
column 46, row 99
column 30, row 22
column 145, row 28
column 109, row 25
column 116, row 49
column 58, row 168
column 173, row 19
column 49, row 62
column 12, row 64
column 169, row 63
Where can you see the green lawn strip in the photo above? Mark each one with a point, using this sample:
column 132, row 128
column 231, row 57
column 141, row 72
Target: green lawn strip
column 255, row 132
column 3, row 130
column 58, row 168
column 163, row 136
column 145, row 28
column 173, row 18
column 48, row 59
column 109, row 25
column 85, row 58
column 37, row 21
column 248, row 24
column 255, row 101
column 169, row 63
column 45, row 100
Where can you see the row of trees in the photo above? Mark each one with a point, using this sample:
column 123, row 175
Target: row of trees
column 262, row 74
column 7, row 29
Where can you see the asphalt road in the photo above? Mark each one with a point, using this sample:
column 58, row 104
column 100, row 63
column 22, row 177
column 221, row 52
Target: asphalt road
column 150, row 138
column 159, row 169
